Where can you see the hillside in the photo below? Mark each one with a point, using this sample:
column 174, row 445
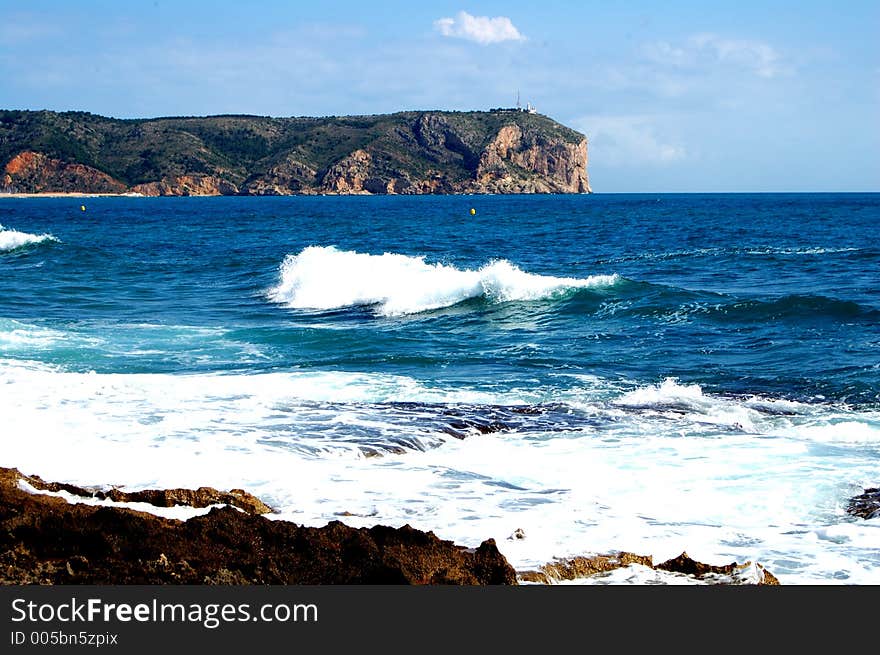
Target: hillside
column 499, row 151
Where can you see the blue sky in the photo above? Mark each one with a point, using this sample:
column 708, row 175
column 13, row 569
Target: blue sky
column 674, row 96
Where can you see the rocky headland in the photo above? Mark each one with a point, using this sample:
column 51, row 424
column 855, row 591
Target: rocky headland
column 418, row 152
column 49, row 539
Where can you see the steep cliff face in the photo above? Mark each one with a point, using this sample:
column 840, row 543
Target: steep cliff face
column 350, row 173
column 34, row 172
column 518, row 162
column 406, row 153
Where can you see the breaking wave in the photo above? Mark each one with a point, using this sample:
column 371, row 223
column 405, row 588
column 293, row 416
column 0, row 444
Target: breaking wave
column 12, row 239
column 327, row 278
column 691, row 408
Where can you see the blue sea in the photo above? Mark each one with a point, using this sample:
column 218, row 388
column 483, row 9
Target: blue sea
column 568, row 375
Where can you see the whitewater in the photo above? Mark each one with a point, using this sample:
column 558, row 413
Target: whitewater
column 326, row 278
column 654, row 374
column 12, row 239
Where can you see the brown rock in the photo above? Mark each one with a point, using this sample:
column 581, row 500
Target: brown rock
column 201, row 497
column 34, row 172
column 187, row 185
column 43, row 539
column 684, row 564
column 349, row 174
column 518, row 162
column 581, row 567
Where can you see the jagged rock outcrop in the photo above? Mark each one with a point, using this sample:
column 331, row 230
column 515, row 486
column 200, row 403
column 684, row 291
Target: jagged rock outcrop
column 866, row 505
column 500, row 151
column 201, row 497
column 350, row 174
column 187, row 185
column 584, row 567
column 518, row 162
column 46, row 540
column 724, row 573
column 34, row 172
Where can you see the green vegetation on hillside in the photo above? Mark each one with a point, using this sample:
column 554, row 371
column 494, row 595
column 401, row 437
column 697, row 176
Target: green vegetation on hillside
column 241, row 149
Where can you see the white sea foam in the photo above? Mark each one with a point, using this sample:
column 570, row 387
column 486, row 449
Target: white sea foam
column 806, row 250
column 12, row 239
column 179, row 512
column 755, row 415
column 16, row 336
column 688, row 400
column 657, row 469
column 328, row 278
column 734, row 251
column 670, row 392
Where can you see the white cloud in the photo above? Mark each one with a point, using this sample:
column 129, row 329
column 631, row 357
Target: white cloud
column 699, row 50
column 759, row 57
column 628, row 141
column 481, row 29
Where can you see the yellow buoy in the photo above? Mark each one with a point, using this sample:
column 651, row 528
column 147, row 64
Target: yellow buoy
column 473, row 211
column 82, row 208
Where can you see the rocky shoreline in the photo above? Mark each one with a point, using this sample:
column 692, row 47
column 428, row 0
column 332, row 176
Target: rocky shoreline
column 47, row 540
column 51, row 540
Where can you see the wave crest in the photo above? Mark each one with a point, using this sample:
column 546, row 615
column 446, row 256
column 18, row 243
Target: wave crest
column 328, row 278
column 12, row 239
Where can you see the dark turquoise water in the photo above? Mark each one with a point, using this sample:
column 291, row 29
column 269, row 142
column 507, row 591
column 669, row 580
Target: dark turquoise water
column 395, row 325
column 771, row 294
